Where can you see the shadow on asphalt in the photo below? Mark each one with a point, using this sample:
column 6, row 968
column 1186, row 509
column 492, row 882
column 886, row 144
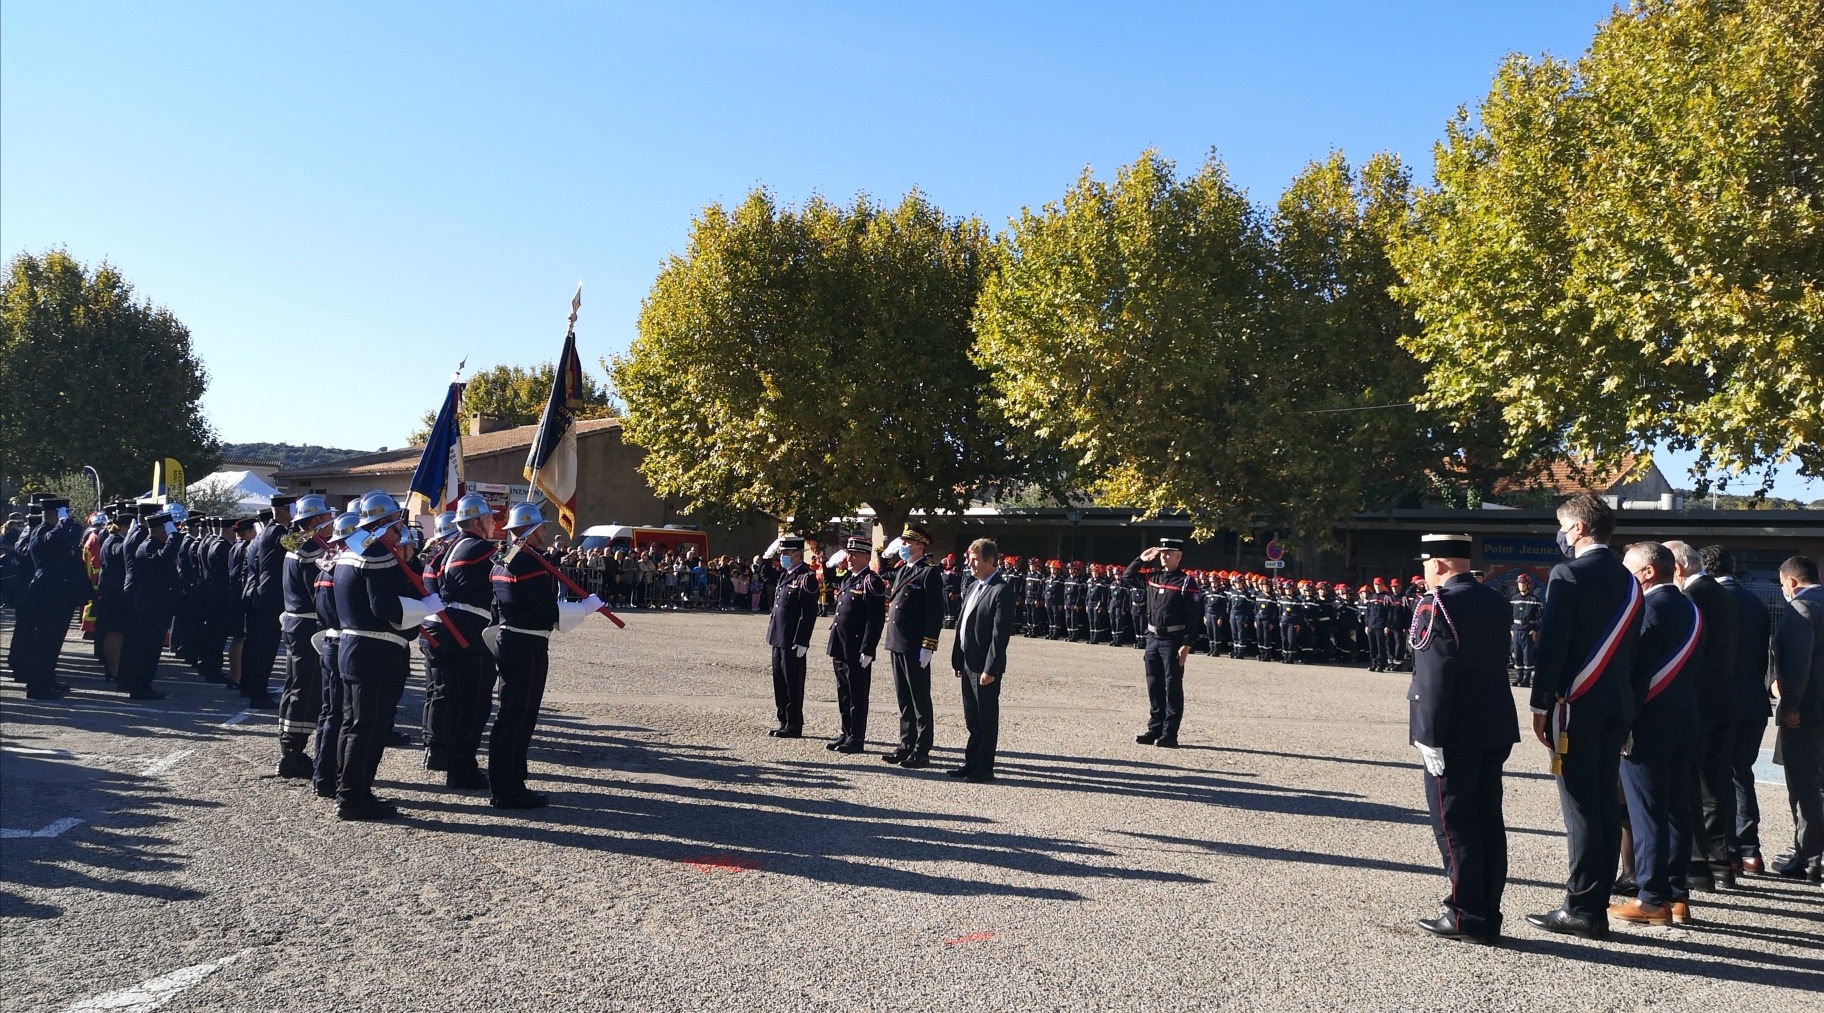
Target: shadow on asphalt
column 1662, row 950
column 1356, row 760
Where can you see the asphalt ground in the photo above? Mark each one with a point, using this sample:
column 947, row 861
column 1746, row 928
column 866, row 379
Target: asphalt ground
column 690, row 862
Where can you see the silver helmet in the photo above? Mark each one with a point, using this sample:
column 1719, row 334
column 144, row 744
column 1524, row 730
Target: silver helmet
column 524, row 517
column 310, row 506
column 446, row 524
column 378, row 508
column 345, row 525
column 472, row 507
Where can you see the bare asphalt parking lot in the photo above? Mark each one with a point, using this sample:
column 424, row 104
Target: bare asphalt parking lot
column 689, row 862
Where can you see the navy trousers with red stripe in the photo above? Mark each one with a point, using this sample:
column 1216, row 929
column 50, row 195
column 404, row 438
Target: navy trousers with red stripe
column 1471, row 831
column 524, row 663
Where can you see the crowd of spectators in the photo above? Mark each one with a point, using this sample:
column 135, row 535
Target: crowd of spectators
column 650, row 578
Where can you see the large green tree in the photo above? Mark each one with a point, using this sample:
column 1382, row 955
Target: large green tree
column 1190, row 352
column 1628, row 250
column 805, row 362
column 91, row 374
column 515, row 396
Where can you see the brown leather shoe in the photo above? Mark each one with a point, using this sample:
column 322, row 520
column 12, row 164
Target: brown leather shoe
column 1681, row 912
column 1753, row 866
column 1633, row 910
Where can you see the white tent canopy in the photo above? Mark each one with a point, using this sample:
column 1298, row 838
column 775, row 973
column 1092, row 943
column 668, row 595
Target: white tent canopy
column 253, row 494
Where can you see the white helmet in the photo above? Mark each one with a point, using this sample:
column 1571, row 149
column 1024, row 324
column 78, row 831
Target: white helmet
column 377, row 508
column 310, row 506
column 524, row 517
column 472, row 507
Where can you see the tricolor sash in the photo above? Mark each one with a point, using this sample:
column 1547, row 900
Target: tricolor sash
column 1676, row 663
column 1604, row 653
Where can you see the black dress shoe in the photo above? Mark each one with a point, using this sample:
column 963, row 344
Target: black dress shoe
column 852, row 747
column 48, row 693
column 1624, row 888
column 263, row 702
column 1147, row 739
column 979, row 777
column 1171, row 743
column 295, row 766
column 896, row 756
column 835, row 744
column 399, row 740
column 366, row 810
column 959, row 772
column 149, row 694
column 1444, row 927
column 465, row 780
column 521, row 800
column 774, row 732
column 915, row 761
column 434, row 762
column 1565, row 923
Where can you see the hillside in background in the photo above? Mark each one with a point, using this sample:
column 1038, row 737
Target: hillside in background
column 286, row 455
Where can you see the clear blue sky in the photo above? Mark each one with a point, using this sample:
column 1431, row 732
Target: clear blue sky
column 388, row 188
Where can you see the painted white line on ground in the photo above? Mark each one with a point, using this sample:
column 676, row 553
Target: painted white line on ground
column 61, row 754
column 53, row 830
column 151, row 994
column 160, row 766
column 237, row 719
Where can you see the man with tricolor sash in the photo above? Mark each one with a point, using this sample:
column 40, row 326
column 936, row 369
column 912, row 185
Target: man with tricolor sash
column 1657, row 769
column 1583, row 705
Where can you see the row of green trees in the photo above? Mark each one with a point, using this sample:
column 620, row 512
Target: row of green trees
column 1617, row 253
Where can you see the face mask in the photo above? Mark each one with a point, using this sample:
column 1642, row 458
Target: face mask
column 905, row 553
column 1564, row 545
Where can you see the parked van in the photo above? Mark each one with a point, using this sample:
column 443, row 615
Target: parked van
column 636, row 539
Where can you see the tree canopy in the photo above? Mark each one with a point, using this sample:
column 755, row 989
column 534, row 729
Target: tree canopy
column 91, row 374
column 1627, row 250
column 1190, row 352
column 515, row 396
column 805, row 362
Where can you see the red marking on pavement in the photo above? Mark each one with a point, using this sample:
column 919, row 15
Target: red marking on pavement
column 973, row 937
column 722, row 863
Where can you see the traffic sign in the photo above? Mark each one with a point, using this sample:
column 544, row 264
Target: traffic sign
column 1276, row 564
column 1274, row 551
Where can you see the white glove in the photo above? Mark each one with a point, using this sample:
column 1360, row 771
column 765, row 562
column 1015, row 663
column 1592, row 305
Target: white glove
column 800, row 651
column 411, row 613
column 866, row 661
column 924, row 658
column 594, row 604
column 1434, row 759
column 433, row 604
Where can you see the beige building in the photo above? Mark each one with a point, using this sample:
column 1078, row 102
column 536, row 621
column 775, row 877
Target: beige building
column 611, row 489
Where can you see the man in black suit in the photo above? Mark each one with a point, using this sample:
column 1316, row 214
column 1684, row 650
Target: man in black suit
column 1798, row 681
column 1748, row 693
column 1658, row 771
column 1462, row 721
column 978, row 655
column 1583, row 705
column 915, row 616
column 1712, row 821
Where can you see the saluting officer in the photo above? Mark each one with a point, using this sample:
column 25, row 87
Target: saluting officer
column 1172, row 608
column 1525, row 628
column 1462, row 721
column 915, row 615
column 788, row 632
column 861, row 610
column 152, row 591
column 302, row 699
column 463, row 676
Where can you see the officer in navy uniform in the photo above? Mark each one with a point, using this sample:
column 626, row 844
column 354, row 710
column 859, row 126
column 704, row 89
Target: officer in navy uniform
column 110, row 592
column 1526, row 607
column 915, row 615
column 328, row 644
column 1075, row 601
column 1291, row 623
column 1659, row 767
column 1583, row 705
column 379, row 612
column 1136, row 608
column 464, row 675
column 1266, row 621
column 301, row 701
column 1032, row 597
column 1172, row 612
column 526, row 596
column 152, row 594
column 1056, row 602
column 1241, row 618
column 58, row 589
column 1462, row 721
column 788, row 632
column 861, row 611
column 263, row 600
column 1374, row 618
